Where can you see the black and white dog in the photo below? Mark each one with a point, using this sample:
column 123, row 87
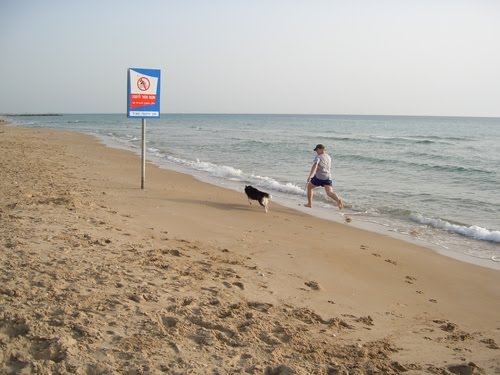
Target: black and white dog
column 257, row 195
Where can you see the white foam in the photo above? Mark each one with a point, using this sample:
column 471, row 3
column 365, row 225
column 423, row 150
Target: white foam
column 270, row 183
column 234, row 174
column 474, row 231
column 222, row 171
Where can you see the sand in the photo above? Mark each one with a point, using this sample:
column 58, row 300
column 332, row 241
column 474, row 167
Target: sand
column 101, row 277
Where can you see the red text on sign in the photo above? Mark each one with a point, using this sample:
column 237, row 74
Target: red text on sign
column 140, row 100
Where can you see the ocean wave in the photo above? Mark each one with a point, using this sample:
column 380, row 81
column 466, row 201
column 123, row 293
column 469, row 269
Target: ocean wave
column 340, row 139
column 252, row 145
column 420, row 138
column 211, row 168
column 421, row 165
column 29, row 123
column 235, row 174
column 399, row 139
column 132, row 138
column 474, row 231
column 272, row 184
column 413, row 139
column 155, row 151
column 459, row 169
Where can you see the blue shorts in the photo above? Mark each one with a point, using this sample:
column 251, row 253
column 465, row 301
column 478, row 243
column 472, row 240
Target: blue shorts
column 317, row 182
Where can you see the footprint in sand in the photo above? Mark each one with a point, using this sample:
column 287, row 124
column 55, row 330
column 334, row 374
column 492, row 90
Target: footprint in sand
column 410, row 279
column 367, row 320
column 491, row 344
column 214, row 291
column 239, row 285
column 260, row 306
column 169, row 322
column 448, row 326
column 314, row 285
column 174, row 347
column 174, row 252
column 376, row 255
column 469, row 368
column 393, row 262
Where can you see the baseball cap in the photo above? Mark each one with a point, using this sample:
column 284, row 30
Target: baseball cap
column 319, row 147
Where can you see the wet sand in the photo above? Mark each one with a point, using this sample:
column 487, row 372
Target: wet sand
column 101, row 277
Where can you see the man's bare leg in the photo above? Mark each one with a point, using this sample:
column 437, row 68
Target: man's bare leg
column 310, row 193
column 329, row 191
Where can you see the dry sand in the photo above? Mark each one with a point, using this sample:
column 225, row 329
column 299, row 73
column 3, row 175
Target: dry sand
column 101, row 277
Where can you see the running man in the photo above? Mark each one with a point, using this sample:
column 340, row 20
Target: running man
column 321, row 175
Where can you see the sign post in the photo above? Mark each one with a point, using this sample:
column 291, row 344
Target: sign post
column 143, row 100
column 143, row 158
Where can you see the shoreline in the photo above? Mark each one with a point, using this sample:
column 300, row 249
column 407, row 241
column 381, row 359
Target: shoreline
column 447, row 230
column 187, row 277
column 321, row 213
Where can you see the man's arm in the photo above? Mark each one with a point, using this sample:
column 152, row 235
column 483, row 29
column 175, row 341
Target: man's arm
column 313, row 171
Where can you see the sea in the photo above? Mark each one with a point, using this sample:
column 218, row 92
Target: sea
column 434, row 181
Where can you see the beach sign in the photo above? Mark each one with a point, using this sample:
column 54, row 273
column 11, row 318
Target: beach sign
column 143, row 93
column 143, row 100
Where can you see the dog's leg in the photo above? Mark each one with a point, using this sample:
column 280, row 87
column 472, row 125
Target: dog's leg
column 250, row 202
column 264, row 203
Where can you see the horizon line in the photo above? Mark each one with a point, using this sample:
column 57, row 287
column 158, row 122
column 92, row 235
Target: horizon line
column 242, row 114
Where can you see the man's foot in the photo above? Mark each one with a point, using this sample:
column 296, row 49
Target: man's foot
column 340, row 204
column 307, row 205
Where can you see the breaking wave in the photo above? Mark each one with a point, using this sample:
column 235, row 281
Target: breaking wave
column 474, row 231
column 235, row 174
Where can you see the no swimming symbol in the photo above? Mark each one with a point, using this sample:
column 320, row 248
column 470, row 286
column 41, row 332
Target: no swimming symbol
column 143, row 84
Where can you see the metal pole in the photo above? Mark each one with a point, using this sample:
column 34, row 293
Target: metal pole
column 143, row 170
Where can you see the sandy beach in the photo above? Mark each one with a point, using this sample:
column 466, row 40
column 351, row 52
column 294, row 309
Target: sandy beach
column 183, row 277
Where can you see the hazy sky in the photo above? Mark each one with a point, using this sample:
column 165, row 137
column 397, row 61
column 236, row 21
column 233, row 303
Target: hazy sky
column 408, row 57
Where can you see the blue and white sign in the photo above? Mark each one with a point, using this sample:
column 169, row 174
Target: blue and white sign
column 143, row 93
